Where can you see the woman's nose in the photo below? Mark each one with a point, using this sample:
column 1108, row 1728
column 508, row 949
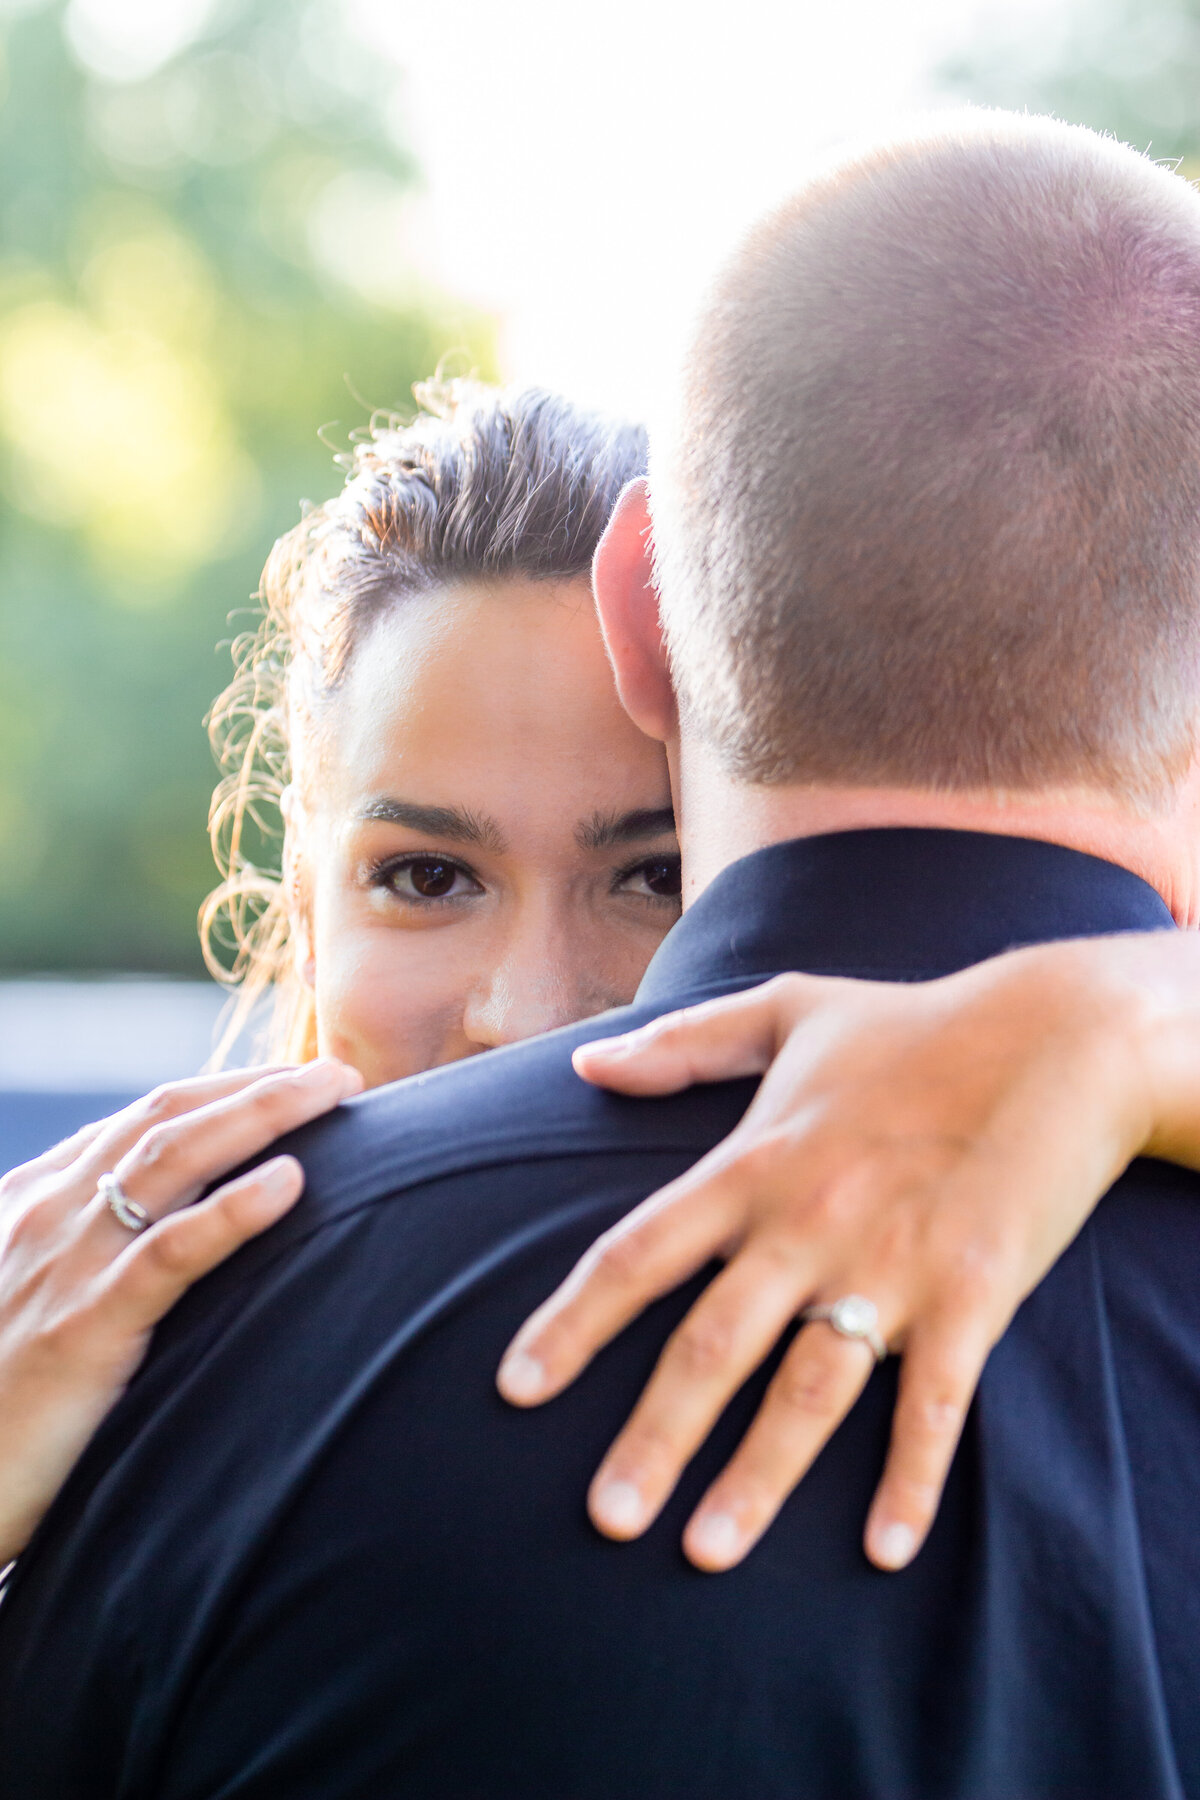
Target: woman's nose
column 535, row 987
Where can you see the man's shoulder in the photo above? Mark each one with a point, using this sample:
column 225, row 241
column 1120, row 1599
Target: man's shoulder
column 411, row 1187
column 521, row 1104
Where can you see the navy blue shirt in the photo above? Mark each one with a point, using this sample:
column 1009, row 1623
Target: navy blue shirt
column 312, row 1554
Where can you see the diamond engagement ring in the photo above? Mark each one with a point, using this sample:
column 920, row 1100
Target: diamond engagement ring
column 852, row 1316
column 125, row 1211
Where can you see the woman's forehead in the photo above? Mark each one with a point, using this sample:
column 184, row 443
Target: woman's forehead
column 488, row 686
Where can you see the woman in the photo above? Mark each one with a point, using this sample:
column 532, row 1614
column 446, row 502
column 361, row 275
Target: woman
column 478, row 847
column 479, row 843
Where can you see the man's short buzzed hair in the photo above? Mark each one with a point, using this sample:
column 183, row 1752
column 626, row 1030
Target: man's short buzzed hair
column 931, row 513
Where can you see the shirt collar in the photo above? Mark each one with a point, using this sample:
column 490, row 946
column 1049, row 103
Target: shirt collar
column 893, row 904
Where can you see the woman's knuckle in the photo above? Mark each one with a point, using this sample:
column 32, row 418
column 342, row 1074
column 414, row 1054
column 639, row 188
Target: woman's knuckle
column 834, row 1205
column 655, row 1033
column 701, row 1346
column 620, row 1259
column 914, row 1494
column 14, row 1185
column 22, row 1231
column 758, row 1163
column 809, row 1389
column 975, row 1270
column 934, row 1415
column 160, row 1149
column 66, row 1339
column 26, row 1177
column 781, row 1250
column 168, row 1251
column 32, row 1221
column 276, row 1105
column 161, row 1104
column 649, row 1445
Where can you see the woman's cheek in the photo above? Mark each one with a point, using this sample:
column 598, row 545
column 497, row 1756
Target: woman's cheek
column 393, row 1005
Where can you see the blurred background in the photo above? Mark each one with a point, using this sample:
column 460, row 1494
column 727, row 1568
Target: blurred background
column 229, row 229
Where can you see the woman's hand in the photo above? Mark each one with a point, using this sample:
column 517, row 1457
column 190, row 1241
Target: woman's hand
column 79, row 1293
column 933, row 1147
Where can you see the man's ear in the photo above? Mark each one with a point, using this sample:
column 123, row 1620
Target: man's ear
column 627, row 603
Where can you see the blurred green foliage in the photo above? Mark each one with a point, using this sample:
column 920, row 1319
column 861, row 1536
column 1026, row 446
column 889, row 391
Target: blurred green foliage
column 1131, row 67
column 189, row 233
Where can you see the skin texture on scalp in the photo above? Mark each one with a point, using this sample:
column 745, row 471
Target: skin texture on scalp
column 928, row 515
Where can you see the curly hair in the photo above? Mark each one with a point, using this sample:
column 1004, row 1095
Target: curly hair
column 484, row 482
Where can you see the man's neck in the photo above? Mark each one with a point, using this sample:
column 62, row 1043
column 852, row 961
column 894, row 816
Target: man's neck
column 723, row 820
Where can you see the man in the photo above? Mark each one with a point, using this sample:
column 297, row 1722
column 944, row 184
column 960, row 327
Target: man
column 927, row 545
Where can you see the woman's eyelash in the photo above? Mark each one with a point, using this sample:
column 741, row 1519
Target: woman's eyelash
column 645, row 862
column 433, row 876
column 667, row 864
column 434, row 866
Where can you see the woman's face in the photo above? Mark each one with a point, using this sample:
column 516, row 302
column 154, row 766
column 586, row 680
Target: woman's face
column 487, row 848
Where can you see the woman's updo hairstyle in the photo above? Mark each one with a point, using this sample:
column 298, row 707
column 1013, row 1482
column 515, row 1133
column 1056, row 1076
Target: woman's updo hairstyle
column 485, row 482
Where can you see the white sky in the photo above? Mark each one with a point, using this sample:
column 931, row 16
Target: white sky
column 585, row 164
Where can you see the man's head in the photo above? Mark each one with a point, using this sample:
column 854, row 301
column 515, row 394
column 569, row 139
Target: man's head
column 929, row 516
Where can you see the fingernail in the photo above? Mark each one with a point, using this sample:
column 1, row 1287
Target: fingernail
column 277, row 1174
column 275, row 1189
column 321, row 1069
column 619, row 1507
column 327, row 1071
column 617, row 1046
column 894, row 1546
column 717, row 1537
column 521, row 1377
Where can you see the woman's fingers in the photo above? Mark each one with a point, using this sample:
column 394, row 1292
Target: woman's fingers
column 908, row 1140
column 158, row 1267
column 730, row 1329
column 718, row 1040
column 74, row 1337
column 104, row 1143
column 940, row 1372
column 659, row 1244
column 813, row 1389
column 172, row 1163
column 61, row 1156
column 79, row 1294
column 726, row 1335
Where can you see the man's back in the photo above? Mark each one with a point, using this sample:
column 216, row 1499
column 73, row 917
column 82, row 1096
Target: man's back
column 313, row 1554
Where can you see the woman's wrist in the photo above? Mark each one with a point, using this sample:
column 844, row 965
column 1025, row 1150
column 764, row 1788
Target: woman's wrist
column 1126, row 1010
column 1161, row 1009
column 1102, row 1022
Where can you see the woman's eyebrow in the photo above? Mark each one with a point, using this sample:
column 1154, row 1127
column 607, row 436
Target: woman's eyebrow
column 451, row 822
column 603, row 830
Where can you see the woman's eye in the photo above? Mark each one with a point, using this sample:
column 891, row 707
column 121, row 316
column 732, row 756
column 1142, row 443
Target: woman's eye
column 429, row 878
column 658, row 877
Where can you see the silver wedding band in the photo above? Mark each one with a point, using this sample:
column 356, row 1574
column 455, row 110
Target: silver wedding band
column 125, row 1211
column 853, row 1316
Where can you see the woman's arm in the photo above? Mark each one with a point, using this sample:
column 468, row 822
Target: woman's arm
column 80, row 1292
column 933, row 1147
